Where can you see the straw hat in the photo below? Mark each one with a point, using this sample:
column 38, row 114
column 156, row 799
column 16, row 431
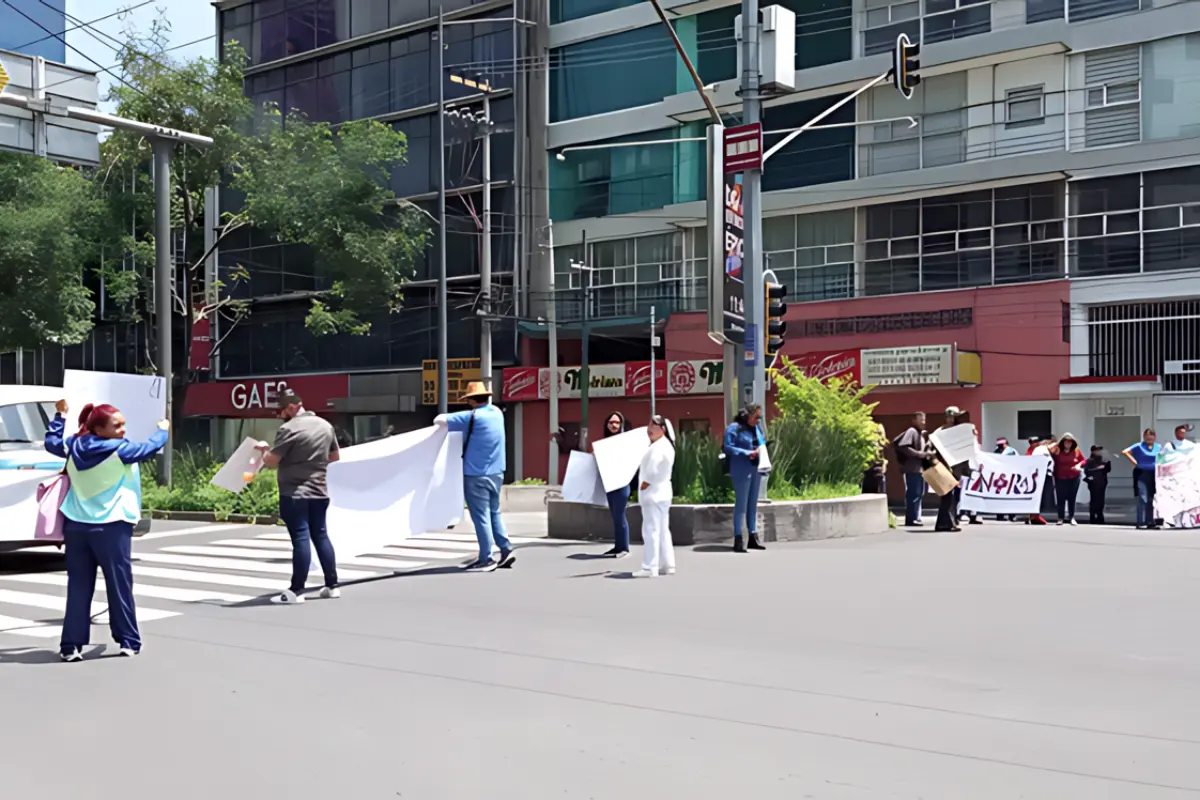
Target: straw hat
column 476, row 389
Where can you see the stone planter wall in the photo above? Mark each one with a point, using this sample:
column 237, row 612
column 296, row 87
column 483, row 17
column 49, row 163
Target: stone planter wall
column 799, row 521
column 525, row 498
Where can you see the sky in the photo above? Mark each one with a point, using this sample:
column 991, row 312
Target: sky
column 189, row 19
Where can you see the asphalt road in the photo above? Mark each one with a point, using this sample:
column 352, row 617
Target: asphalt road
column 1003, row 662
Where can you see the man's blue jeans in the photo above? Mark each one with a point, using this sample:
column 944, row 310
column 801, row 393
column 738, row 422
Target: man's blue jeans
column 305, row 520
column 482, row 494
column 914, row 493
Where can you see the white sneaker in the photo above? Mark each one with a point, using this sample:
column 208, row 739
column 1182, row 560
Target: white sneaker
column 287, row 598
column 129, row 652
column 669, row 571
column 71, row 655
column 1073, row 522
column 645, row 573
column 330, row 593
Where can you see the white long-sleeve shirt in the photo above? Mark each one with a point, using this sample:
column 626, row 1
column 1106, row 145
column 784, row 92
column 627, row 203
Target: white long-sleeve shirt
column 657, row 464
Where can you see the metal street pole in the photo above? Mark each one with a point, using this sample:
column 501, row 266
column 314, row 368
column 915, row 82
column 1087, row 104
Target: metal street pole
column 552, row 324
column 585, row 374
column 485, row 256
column 653, row 337
column 753, row 380
column 443, row 325
column 163, row 273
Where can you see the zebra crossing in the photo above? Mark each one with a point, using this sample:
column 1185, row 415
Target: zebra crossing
column 168, row 578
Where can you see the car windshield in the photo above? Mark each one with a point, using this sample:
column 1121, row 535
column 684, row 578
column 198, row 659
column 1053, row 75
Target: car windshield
column 24, row 424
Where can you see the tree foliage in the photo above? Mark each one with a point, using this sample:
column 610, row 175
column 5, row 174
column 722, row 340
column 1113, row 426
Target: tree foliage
column 49, row 226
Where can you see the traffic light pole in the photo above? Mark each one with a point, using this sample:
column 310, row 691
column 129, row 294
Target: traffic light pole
column 751, row 366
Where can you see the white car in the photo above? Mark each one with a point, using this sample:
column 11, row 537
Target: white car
column 25, row 414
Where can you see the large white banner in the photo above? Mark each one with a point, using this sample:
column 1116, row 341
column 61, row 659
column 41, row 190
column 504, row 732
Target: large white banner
column 619, row 457
column 382, row 492
column 1005, row 484
column 1177, row 488
column 582, row 483
column 139, row 397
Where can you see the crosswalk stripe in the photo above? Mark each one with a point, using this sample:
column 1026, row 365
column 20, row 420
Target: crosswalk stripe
column 388, row 550
column 442, row 544
column 27, row 627
column 467, row 537
column 143, row 589
column 397, row 550
column 243, row 565
column 216, row 578
column 270, row 545
column 59, row 603
column 238, row 552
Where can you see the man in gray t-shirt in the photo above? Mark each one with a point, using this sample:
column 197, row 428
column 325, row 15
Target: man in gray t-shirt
column 305, row 445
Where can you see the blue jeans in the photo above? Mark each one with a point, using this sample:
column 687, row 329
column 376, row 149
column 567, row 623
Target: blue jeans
column 305, row 520
column 1145, row 500
column 914, row 493
column 483, row 502
column 618, row 499
column 108, row 547
column 746, row 482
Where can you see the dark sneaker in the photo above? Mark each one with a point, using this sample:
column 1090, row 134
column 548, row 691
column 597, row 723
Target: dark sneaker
column 611, row 553
column 620, row 554
column 507, row 559
column 482, row 566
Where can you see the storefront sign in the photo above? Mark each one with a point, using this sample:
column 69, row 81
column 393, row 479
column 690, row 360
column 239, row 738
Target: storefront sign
column 632, row 379
column 888, row 323
column 695, row 377
column 908, row 366
column 459, row 372
column 1005, row 484
column 842, row 364
column 735, row 315
column 257, row 398
column 200, row 352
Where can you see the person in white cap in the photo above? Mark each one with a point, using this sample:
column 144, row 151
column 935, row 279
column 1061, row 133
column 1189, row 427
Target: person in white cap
column 654, row 497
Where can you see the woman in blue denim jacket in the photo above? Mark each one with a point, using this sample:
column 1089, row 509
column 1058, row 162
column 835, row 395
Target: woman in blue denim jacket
column 742, row 439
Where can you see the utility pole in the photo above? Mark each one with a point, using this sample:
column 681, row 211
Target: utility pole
column 164, row 269
column 585, row 376
column 442, row 302
column 653, row 342
column 753, row 370
column 552, row 326
column 485, row 251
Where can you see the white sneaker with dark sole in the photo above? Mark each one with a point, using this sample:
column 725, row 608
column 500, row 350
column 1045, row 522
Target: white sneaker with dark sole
column 72, row 655
column 287, row 598
column 330, row 593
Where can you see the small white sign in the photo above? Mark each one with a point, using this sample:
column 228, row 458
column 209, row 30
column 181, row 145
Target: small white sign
column 241, row 467
column 907, row 366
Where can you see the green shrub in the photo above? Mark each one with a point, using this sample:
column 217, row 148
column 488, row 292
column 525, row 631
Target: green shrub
column 529, row 482
column 192, row 491
column 698, row 476
column 824, row 434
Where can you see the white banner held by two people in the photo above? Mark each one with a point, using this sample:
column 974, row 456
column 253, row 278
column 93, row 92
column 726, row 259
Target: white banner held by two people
column 1005, row 484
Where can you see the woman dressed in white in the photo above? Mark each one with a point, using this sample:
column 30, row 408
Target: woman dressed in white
column 654, row 497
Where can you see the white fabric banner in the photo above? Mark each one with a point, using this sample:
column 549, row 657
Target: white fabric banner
column 139, row 397
column 1005, row 484
column 1177, row 488
column 581, row 483
column 618, row 457
column 385, row 491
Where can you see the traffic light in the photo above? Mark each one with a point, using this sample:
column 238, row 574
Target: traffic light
column 775, row 327
column 905, row 64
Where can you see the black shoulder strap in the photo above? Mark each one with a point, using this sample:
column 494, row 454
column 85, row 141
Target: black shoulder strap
column 467, row 437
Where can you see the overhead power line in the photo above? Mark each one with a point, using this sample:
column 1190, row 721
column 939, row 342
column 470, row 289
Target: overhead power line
column 116, row 13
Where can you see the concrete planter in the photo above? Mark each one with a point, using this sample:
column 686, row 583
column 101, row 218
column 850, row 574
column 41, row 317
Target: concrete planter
column 525, row 498
column 799, row 521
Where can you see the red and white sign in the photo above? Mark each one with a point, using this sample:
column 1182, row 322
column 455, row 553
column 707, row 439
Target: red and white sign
column 637, row 378
column 844, row 364
column 743, row 147
column 200, row 353
column 257, row 397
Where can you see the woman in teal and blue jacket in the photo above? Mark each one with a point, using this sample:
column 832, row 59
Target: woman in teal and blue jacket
column 100, row 510
column 742, row 440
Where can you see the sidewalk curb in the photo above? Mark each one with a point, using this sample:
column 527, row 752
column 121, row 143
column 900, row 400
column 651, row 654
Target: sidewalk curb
column 208, row 516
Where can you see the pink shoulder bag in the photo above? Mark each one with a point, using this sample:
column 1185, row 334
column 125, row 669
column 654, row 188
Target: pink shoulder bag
column 50, row 496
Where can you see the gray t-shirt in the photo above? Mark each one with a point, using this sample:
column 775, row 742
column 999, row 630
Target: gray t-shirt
column 304, row 444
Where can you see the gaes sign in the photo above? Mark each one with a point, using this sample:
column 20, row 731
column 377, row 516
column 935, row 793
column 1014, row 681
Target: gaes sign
column 245, row 396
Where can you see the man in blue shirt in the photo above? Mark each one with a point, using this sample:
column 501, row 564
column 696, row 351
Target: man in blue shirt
column 482, row 429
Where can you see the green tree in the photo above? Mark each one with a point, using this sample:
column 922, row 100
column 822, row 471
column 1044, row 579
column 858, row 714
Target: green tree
column 299, row 181
column 49, row 223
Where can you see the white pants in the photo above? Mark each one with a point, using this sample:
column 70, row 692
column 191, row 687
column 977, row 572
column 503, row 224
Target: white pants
column 657, row 551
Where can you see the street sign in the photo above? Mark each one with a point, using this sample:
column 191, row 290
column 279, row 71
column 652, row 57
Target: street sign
column 3, row 79
column 743, row 147
column 733, row 301
column 459, row 372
